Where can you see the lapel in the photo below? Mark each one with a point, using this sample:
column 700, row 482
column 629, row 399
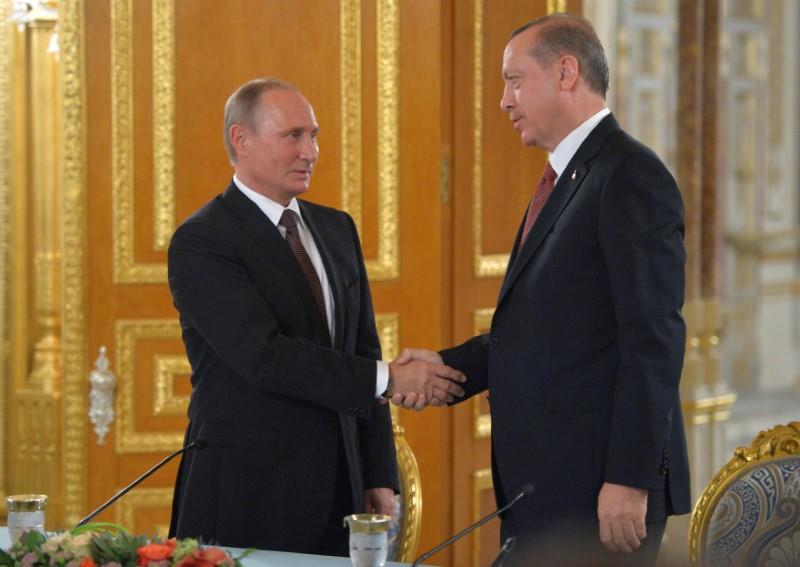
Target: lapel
column 568, row 183
column 274, row 247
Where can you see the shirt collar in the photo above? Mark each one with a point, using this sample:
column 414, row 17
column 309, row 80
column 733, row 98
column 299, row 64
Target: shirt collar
column 272, row 209
column 566, row 150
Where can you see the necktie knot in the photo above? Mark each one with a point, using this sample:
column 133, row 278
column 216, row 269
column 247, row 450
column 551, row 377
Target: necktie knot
column 288, row 219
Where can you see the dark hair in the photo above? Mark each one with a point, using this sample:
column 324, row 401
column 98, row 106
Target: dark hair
column 570, row 34
column 243, row 105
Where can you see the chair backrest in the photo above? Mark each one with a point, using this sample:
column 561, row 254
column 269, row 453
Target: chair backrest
column 749, row 514
column 408, row 511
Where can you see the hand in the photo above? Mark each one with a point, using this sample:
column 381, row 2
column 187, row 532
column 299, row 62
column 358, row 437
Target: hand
column 419, row 378
column 622, row 510
column 379, row 501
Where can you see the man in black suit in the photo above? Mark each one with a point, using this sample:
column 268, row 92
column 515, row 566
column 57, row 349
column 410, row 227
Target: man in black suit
column 278, row 325
column 586, row 346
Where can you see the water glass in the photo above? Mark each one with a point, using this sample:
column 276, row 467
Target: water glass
column 25, row 513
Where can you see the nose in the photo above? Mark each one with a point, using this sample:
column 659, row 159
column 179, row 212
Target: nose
column 507, row 102
column 310, row 150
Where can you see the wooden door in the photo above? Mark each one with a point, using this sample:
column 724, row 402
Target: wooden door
column 144, row 88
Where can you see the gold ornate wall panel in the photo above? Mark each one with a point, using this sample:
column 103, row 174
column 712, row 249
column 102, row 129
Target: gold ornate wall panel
column 482, row 428
column 126, row 268
column 132, row 438
column 145, row 499
column 486, row 265
column 481, row 484
column 74, row 241
column 5, row 233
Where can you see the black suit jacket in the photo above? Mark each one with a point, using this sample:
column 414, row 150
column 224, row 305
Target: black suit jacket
column 586, row 346
column 269, row 391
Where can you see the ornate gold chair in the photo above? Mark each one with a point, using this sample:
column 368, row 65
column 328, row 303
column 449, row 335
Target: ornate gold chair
column 749, row 514
column 404, row 533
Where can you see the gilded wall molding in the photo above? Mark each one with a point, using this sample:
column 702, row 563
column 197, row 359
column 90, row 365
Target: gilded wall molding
column 350, row 71
column 74, row 244
column 126, row 268
column 481, row 481
column 5, row 233
column 389, row 334
column 166, row 402
column 481, row 422
column 163, row 122
column 129, row 439
column 484, row 265
column 386, row 265
column 142, row 498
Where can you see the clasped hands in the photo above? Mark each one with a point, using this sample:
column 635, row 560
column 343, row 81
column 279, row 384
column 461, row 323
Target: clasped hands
column 419, row 378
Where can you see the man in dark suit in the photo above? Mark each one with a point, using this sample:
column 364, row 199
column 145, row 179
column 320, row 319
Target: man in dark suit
column 278, row 325
column 586, row 346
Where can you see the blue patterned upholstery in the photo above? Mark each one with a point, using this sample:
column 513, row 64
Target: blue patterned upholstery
column 750, row 512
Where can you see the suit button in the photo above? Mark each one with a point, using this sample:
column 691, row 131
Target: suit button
column 494, row 342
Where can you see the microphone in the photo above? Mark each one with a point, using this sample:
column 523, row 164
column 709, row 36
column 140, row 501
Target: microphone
column 526, row 490
column 504, row 551
column 197, row 444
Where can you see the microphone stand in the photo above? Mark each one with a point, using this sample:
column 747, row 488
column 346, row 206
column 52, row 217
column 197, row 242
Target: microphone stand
column 504, row 551
column 198, row 444
column 527, row 489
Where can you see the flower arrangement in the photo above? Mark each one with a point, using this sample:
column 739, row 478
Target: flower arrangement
column 96, row 545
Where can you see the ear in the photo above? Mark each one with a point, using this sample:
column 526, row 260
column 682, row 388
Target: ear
column 568, row 69
column 237, row 134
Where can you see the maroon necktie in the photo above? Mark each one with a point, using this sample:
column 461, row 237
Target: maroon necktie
column 543, row 190
column 289, row 221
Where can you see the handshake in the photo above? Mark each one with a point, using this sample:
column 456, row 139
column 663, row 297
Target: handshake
column 419, row 378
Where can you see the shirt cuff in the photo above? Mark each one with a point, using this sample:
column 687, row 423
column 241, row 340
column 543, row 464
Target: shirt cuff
column 382, row 381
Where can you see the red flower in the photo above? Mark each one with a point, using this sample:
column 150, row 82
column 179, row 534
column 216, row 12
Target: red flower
column 207, row 557
column 88, row 562
column 153, row 553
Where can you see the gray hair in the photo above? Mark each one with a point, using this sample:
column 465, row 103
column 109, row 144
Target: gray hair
column 243, row 106
column 570, row 34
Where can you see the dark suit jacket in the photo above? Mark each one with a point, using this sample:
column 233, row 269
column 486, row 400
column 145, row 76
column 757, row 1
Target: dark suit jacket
column 586, row 346
column 268, row 392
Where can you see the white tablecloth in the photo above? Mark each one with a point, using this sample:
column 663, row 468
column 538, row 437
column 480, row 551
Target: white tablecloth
column 263, row 558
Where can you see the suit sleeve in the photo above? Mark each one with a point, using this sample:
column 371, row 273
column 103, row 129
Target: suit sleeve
column 232, row 324
column 471, row 358
column 641, row 235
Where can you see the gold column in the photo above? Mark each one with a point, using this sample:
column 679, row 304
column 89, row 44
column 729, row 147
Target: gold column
column 33, row 439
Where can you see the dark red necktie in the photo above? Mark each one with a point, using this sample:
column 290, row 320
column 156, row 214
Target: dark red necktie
column 289, row 222
column 543, row 190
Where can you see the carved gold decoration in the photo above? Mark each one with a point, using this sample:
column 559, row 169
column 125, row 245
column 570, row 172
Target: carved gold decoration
column 779, row 441
column 389, row 334
column 386, row 265
column 143, row 498
column 481, row 480
column 36, row 430
column 554, row 6
column 73, row 231
column 126, row 269
column 5, row 199
column 482, row 422
column 166, row 402
column 163, row 122
column 128, row 332
column 411, row 490
column 350, row 70
column 485, row 265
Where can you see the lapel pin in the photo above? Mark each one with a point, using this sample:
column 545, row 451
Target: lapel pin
column 574, row 175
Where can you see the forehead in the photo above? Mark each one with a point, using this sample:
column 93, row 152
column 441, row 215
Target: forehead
column 287, row 108
column 516, row 55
